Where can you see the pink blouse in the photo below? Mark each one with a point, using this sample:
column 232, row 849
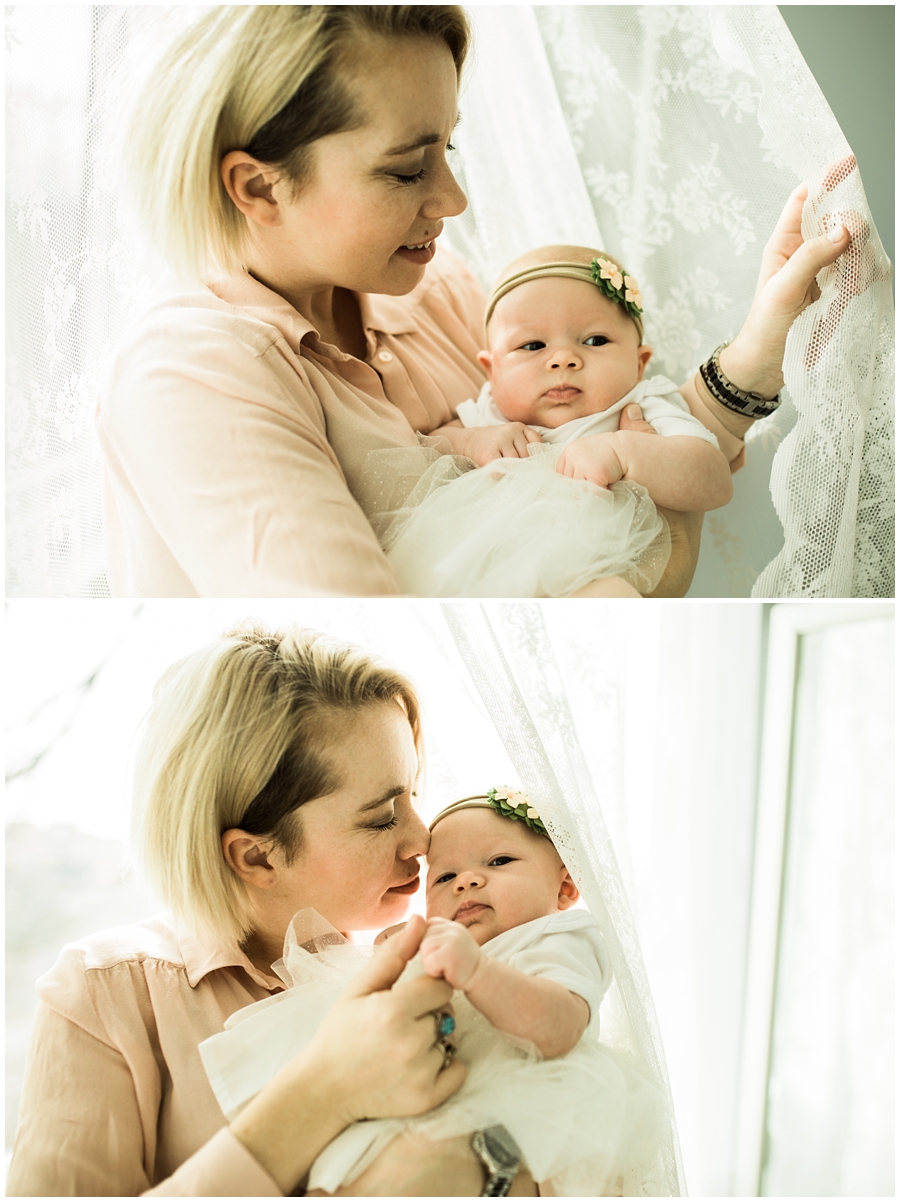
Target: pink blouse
column 116, row 1100
column 236, row 441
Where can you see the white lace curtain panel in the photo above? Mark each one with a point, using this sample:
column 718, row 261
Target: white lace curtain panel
column 669, row 135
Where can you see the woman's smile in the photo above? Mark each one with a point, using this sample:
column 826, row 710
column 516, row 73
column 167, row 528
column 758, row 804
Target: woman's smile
column 420, row 254
column 410, row 887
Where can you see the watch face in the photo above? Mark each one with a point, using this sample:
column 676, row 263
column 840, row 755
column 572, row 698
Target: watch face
column 502, row 1148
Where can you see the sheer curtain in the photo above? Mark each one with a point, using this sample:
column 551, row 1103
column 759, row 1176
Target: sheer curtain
column 671, row 135
column 645, row 740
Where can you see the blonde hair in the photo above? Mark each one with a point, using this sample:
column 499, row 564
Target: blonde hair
column 266, row 79
column 238, row 736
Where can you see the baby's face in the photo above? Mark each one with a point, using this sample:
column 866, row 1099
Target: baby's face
column 560, row 349
column 490, row 874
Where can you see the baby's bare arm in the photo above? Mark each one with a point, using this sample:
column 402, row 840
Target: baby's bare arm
column 532, row 1008
column 682, row 473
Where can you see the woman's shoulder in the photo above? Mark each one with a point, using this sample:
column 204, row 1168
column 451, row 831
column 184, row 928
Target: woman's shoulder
column 153, row 938
column 154, row 941
column 187, row 321
column 107, row 970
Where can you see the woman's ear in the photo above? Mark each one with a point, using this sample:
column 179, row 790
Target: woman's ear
column 250, row 184
column 645, row 353
column 248, row 857
column 568, row 892
column 486, row 359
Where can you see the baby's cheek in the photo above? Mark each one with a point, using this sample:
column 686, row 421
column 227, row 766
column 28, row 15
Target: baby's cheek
column 511, row 399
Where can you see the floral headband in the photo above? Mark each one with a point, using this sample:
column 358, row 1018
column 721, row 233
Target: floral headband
column 609, row 277
column 507, row 802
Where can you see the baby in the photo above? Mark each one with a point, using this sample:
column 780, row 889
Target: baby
column 531, row 971
column 565, row 357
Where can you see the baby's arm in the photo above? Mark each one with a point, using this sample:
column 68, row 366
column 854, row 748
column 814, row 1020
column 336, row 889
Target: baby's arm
column 680, row 472
column 533, row 1008
column 486, row 443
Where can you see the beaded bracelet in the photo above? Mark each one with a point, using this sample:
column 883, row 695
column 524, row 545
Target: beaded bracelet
column 747, row 404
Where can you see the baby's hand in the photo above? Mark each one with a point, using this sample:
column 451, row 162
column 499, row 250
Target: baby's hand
column 593, row 458
column 449, row 951
column 487, row 443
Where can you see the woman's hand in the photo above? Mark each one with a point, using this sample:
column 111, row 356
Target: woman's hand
column 412, row 1166
column 375, row 1055
column 787, row 285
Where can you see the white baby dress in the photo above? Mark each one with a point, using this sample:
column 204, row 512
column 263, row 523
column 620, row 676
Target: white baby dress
column 517, row 527
column 580, row 1119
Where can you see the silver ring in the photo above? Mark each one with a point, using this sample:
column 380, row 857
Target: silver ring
column 449, row 1051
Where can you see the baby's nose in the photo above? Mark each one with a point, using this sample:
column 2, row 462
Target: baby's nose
column 468, row 880
column 564, row 358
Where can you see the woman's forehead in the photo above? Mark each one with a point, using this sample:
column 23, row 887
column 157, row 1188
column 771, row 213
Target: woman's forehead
column 407, row 93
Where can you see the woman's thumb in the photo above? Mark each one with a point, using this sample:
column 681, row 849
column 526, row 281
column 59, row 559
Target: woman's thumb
column 389, row 960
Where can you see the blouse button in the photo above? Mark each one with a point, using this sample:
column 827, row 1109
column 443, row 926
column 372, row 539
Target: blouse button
column 385, row 356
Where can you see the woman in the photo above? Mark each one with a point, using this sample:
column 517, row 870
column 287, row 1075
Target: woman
column 294, row 157
column 277, row 772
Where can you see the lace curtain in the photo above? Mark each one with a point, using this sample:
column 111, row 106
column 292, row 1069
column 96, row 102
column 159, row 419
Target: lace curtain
column 645, row 740
column 670, row 135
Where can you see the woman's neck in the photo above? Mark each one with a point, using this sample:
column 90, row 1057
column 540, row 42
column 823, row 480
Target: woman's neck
column 333, row 312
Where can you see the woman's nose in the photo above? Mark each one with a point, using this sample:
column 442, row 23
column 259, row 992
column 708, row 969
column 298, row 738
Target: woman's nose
column 415, row 838
column 564, row 358
column 446, row 198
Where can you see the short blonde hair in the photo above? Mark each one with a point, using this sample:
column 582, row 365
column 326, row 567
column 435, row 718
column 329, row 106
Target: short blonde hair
column 267, row 79
column 237, row 736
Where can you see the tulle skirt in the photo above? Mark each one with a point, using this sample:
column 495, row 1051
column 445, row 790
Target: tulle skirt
column 588, row 1123
column 513, row 528
column 583, row 1121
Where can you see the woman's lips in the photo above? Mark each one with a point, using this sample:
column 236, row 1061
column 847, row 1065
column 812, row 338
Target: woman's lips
column 420, row 255
column 411, row 887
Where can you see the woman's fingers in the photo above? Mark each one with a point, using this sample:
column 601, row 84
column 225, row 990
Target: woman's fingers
column 448, row 1081
column 796, row 279
column 423, row 995
column 390, row 960
column 838, row 172
column 632, row 418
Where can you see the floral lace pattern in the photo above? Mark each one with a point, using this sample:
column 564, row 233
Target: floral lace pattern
column 685, row 130
column 668, row 136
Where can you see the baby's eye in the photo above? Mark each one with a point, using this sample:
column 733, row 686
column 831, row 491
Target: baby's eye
column 596, row 340
column 532, row 346
column 447, row 876
column 499, row 861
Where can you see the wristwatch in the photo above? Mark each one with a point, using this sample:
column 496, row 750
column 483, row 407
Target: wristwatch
column 501, row 1157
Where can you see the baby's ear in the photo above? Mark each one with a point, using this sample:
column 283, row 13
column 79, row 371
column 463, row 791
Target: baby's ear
column 486, row 359
column 568, row 892
column 645, row 353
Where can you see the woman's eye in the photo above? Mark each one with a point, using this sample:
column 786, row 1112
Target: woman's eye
column 450, row 146
column 411, row 179
column 385, row 826
column 533, row 346
column 447, row 876
column 596, row 340
column 499, row 861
